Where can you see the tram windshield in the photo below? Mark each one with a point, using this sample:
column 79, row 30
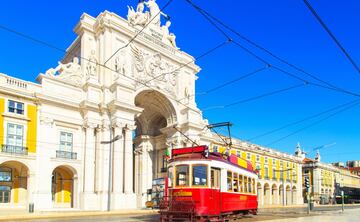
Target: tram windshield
column 182, row 175
column 199, row 175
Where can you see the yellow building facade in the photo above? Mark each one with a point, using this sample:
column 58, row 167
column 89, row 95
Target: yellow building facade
column 18, row 136
column 279, row 173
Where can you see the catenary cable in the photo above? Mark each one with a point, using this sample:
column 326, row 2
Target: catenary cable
column 331, row 34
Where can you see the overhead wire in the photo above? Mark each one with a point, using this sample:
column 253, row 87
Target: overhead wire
column 256, row 97
column 246, row 39
column 302, row 120
column 222, row 85
column 332, row 35
column 313, row 124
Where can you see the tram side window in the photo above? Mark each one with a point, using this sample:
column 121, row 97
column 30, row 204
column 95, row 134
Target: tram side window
column 249, row 184
column 245, row 184
column 182, row 175
column 199, row 175
column 215, row 178
column 253, row 185
column 170, row 176
column 229, row 180
column 235, row 182
column 241, row 184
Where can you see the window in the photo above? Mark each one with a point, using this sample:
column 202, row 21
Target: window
column 15, row 135
column 281, row 164
column 274, row 173
column 182, row 175
column 215, row 178
column 259, row 170
column 215, row 149
column 266, row 173
column 249, row 185
column 266, row 159
column 238, row 153
column 273, row 162
column 253, row 185
column 66, row 141
column 257, row 158
column 248, row 156
column 16, row 107
column 199, row 175
column 229, row 181
column 170, row 176
column 281, row 175
column 235, row 183
column 245, row 184
column 5, row 194
column 5, row 175
column 164, row 163
column 241, row 184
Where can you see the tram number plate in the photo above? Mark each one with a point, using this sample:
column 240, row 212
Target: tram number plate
column 243, row 197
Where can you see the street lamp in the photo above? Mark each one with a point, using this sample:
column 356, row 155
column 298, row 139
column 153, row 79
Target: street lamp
column 110, row 164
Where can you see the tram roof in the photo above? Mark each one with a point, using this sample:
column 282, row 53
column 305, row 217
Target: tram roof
column 202, row 153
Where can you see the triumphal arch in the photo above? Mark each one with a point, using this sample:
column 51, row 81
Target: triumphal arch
column 123, row 80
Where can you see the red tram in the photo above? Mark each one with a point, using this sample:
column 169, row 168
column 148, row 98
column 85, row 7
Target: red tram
column 205, row 186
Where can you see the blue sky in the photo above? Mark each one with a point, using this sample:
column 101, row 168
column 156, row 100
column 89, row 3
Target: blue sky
column 284, row 27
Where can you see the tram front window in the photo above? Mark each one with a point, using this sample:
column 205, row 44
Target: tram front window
column 199, row 175
column 182, row 175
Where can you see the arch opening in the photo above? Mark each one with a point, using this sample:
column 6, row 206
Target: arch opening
column 274, row 193
column 267, row 194
column 14, row 183
column 62, row 186
column 153, row 129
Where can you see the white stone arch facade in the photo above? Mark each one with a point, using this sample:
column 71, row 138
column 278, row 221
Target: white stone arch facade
column 274, row 195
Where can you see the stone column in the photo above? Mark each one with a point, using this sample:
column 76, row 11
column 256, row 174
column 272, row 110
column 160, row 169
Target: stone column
column 45, row 151
column 89, row 201
column 144, row 166
column 104, row 168
column 138, row 177
column 130, row 197
column 128, row 165
column 118, row 151
column 118, row 168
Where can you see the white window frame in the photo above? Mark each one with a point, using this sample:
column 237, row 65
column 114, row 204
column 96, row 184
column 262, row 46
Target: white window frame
column 72, row 141
column 7, row 133
column 15, row 113
column 248, row 156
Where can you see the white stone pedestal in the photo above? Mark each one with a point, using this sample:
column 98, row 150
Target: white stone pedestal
column 89, row 201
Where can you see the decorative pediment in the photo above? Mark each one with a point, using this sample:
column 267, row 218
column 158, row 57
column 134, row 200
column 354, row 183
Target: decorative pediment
column 153, row 70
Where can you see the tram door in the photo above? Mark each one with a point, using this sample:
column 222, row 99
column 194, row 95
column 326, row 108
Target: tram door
column 214, row 203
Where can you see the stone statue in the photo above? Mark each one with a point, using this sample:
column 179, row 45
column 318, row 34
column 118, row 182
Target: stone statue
column 138, row 17
column 91, row 67
column 168, row 38
column 154, row 12
column 70, row 72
